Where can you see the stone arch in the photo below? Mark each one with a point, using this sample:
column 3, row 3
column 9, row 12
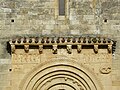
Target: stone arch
column 62, row 75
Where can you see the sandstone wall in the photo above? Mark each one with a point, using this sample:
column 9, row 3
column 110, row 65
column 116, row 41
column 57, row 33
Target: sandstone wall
column 40, row 18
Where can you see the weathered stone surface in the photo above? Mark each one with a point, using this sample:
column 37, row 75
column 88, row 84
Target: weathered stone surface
column 36, row 18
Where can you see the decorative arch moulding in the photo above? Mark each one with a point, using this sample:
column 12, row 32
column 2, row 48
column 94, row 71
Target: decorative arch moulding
column 68, row 42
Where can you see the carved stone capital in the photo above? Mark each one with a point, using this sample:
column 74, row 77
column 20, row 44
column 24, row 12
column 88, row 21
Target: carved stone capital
column 54, row 49
column 69, row 49
column 40, row 49
column 26, row 48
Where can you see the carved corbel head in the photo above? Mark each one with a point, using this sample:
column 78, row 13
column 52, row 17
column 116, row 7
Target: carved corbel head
column 54, row 49
column 96, row 48
column 26, row 48
column 69, row 49
column 79, row 48
column 40, row 49
column 13, row 48
column 109, row 48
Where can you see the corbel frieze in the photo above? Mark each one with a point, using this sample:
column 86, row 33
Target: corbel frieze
column 60, row 41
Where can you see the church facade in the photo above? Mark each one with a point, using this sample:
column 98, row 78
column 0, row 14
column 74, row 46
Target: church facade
column 59, row 45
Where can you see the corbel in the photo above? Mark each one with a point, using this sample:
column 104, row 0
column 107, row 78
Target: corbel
column 54, row 49
column 69, row 49
column 13, row 48
column 96, row 48
column 33, row 40
column 68, row 39
column 36, row 40
column 109, row 48
column 19, row 40
column 52, row 40
column 40, row 49
column 28, row 39
column 84, row 40
column 94, row 40
column 79, row 48
column 47, row 40
column 26, row 48
column 63, row 40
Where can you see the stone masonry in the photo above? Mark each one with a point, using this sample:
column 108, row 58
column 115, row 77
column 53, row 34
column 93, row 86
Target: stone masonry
column 40, row 18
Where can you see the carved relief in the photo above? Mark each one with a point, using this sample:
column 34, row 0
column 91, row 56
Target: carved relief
column 105, row 69
column 69, row 49
column 54, row 49
column 59, row 74
column 85, row 58
column 96, row 48
column 79, row 47
column 109, row 48
column 64, row 80
column 17, row 68
column 40, row 49
column 26, row 48
column 13, row 48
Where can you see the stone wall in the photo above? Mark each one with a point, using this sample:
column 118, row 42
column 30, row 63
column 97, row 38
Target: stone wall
column 40, row 18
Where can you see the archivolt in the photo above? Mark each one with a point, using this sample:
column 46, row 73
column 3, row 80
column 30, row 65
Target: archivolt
column 52, row 74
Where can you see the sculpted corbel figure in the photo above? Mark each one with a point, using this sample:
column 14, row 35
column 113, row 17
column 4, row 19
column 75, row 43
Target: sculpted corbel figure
column 40, row 49
column 96, row 48
column 54, row 49
column 79, row 48
column 26, row 48
column 109, row 48
column 13, row 48
column 69, row 49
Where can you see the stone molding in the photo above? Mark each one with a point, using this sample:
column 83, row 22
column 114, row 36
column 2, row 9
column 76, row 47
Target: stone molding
column 62, row 41
column 71, row 73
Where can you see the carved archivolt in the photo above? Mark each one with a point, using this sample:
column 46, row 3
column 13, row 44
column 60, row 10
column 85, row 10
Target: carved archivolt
column 60, row 75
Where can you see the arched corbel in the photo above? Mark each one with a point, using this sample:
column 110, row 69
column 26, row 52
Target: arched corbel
column 96, row 48
column 109, row 48
column 54, row 49
column 79, row 48
column 40, row 49
column 13, row 48
column 69, row 49
column 26, row 48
